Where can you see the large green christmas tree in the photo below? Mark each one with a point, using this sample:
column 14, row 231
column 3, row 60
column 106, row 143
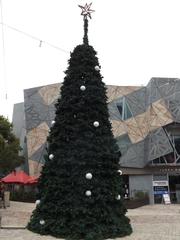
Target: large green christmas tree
column 80, row 192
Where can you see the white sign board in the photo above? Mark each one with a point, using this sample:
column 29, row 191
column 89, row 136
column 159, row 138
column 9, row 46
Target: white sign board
column 160, row 183
column 166, row 198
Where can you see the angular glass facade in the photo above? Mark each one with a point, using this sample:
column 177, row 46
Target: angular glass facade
column 173, row 134
column 123, row 109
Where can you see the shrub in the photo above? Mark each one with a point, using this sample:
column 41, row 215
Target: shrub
column 141, row 195
column 23, row 196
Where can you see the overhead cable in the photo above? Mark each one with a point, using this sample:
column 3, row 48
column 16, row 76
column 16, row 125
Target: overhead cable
column 33, row 37
column 3, row 50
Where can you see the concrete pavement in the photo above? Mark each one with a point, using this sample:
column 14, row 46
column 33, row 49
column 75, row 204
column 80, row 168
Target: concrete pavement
column 152, row 222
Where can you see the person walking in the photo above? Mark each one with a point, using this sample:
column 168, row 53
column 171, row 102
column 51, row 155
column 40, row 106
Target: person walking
column 2, row 190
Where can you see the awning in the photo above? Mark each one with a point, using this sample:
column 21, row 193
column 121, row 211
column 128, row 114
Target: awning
column 33, row 180
column 16, row 177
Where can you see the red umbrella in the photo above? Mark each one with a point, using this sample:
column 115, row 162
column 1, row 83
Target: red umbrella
column 33, row 180
column 16, row 177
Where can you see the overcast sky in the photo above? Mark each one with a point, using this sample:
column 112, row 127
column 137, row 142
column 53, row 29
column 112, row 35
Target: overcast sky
column 135, row 40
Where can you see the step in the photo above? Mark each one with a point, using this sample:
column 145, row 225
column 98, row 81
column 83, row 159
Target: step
column 12, row 227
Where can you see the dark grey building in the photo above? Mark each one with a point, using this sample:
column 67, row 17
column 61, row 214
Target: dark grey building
column 145, row 122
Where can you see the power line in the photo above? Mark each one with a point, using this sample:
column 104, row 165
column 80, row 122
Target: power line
column 33, row 37
column 4, row 54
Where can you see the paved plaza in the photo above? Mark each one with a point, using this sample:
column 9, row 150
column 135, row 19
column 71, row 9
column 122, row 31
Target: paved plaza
column 157, row 222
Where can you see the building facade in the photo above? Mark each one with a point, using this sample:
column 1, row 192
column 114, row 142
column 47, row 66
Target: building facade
column 145, row 123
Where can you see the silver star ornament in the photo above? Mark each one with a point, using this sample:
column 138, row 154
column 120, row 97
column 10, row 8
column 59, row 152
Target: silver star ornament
column 86, row 11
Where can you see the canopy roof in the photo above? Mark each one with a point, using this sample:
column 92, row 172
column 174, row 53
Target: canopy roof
column 33, row 180
column 18, row 177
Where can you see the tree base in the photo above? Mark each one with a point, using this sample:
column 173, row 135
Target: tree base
column 84, row 231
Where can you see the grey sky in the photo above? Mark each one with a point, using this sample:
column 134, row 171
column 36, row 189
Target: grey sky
column 135, row 40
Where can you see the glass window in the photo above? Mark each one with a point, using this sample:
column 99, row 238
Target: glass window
column 120, row 109
column 127, row 112
column 123, row 143
column 124, row 109
column 173, row 134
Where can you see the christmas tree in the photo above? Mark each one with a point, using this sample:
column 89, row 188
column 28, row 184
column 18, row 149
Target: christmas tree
column 80, row 192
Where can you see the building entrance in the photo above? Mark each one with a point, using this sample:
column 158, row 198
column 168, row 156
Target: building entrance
column 174, row 188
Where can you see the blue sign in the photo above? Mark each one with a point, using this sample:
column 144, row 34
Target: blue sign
column 160, row 192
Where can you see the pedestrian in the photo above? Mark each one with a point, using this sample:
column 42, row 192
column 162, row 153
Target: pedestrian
column 2, row 190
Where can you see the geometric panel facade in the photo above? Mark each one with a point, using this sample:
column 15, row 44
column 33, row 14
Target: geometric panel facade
column 114, row 92
column 39, row 112
column 159, row 115
column 143, row 124
column 173, row 104
column 138, row 115
column 153, row 108
column 118, row 128
column 134, row 157
column 36, row 138
column 34, row 168
column 38, row 155
column 113, row 111
column 49, row 93
column 136, row 101
column 134, row 130
column 157, row 144
column 123, row 143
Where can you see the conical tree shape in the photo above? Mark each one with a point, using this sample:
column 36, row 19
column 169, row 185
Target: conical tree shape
column 80, row 186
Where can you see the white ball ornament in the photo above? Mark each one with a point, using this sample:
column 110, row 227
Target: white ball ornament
column 97, row 68
column 118, row 197
column 51, row 156
column 42, row 222
column 53, row 122
column 83, row 88
column 38, row 202
column 88, row 193
column 96, row 124
column 120, row 172
column 88, row 176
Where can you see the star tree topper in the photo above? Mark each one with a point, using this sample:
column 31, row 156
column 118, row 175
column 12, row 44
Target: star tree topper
column 86, row 11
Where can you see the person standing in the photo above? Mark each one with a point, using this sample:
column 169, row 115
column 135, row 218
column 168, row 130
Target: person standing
column 2, row 190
